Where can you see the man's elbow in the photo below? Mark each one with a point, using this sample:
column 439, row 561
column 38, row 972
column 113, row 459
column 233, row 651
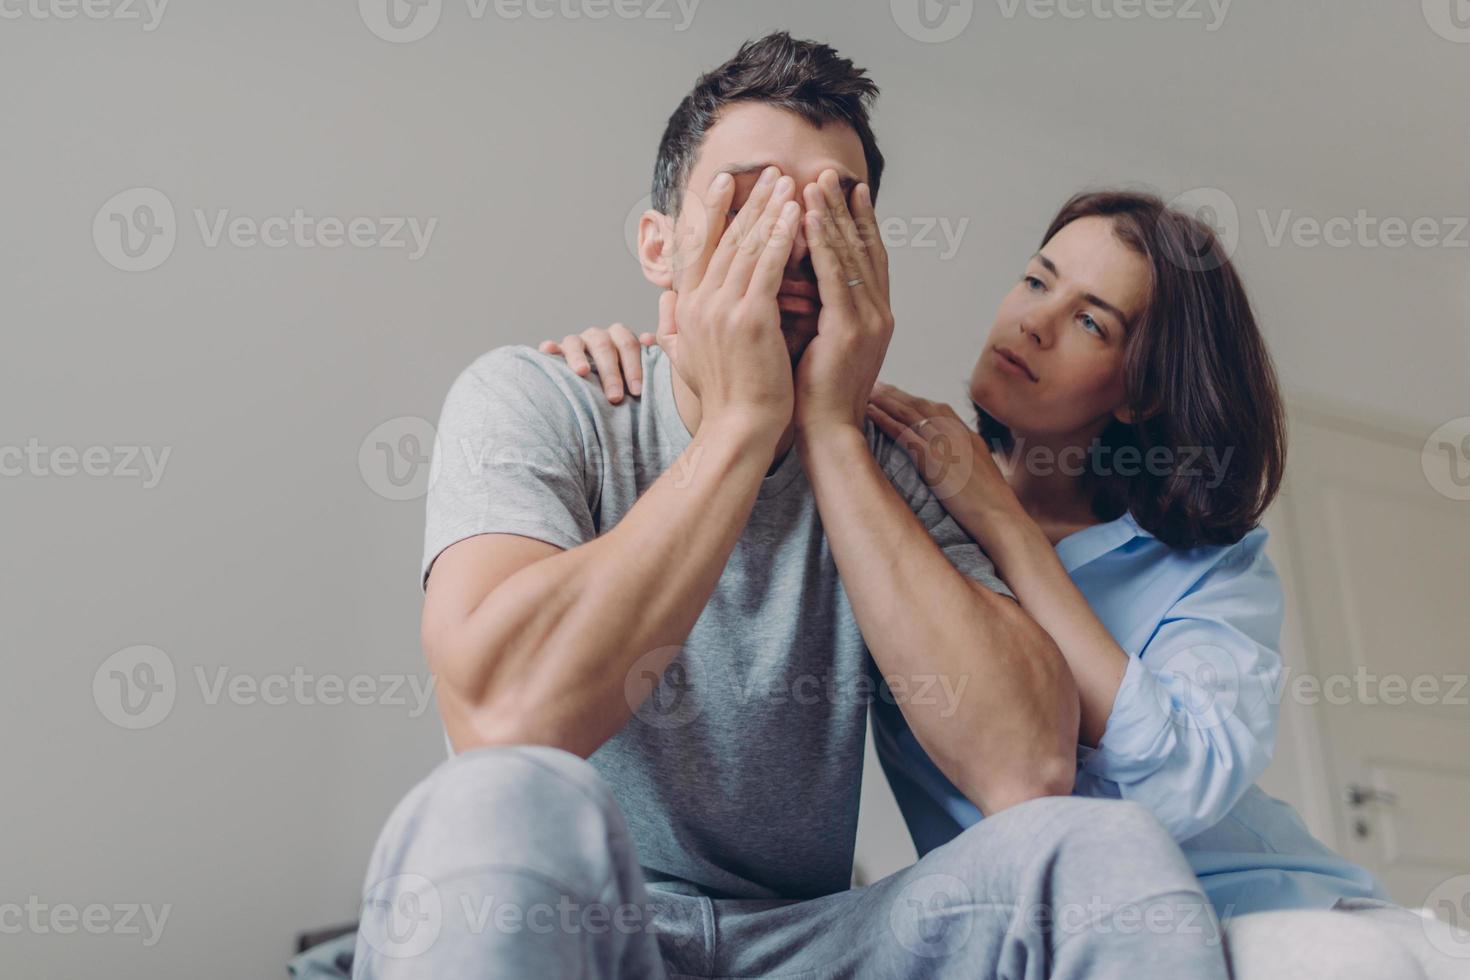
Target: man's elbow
column 1053, row 775
column 1046, row 763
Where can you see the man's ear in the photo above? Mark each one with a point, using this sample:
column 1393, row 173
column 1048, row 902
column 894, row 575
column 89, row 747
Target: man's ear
column 656, row 248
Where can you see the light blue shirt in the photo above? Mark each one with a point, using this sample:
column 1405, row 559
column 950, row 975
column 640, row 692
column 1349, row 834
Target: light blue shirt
column 1192, row 727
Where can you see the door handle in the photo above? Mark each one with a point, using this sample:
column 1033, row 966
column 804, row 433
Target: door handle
column 1361, row 796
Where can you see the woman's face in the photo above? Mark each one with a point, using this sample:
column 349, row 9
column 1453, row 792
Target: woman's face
column 1053, row 364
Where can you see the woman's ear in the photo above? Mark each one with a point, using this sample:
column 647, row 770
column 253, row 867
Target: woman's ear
column 655, row 248
column 1129, row 416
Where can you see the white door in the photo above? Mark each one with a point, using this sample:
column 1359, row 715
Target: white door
column 1372, row 534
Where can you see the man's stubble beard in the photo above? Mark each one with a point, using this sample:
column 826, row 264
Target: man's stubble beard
column 798, row 330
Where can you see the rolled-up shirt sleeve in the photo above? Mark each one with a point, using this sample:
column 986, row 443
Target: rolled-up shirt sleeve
column 1193, row 724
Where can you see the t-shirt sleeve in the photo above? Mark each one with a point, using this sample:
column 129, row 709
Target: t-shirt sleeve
column 961, row 550
column 510, row 457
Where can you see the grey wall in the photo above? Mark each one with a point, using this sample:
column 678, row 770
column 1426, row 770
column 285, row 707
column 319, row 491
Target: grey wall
column 272, row 542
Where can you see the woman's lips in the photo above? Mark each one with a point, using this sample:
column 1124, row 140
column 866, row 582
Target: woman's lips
column 1009, row 362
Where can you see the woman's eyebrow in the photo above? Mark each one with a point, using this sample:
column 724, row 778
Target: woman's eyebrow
column 1092, row 298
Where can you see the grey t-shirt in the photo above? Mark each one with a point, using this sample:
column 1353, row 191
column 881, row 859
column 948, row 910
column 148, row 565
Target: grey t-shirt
column 739, row 775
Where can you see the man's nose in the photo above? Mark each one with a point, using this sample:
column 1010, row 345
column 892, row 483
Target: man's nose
column 799, row 248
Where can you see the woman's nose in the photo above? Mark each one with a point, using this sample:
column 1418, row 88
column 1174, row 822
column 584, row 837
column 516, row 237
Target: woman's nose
column 1040, row 324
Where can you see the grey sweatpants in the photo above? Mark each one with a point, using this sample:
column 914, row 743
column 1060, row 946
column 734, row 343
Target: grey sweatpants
column 516, row 863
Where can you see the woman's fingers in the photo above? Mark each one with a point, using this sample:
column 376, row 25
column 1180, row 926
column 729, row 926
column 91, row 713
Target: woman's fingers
column 630, row 355
column 575, row 352
column 647, row 339
column 549, row 347
column 605, row 357
column 908, row 440
column 903, row 433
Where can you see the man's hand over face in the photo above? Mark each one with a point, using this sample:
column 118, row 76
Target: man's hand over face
column 840, row 365
column 723, row 311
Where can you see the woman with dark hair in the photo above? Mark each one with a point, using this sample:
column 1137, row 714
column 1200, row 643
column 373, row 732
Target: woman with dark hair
column 1130, row 436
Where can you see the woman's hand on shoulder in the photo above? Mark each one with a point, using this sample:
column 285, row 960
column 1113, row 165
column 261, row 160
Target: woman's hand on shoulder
column 613, row 352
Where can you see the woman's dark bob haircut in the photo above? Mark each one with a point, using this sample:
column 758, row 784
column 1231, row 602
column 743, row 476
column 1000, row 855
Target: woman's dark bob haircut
column 1197, row 377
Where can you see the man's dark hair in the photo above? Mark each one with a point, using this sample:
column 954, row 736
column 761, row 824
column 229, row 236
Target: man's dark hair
column 803, row 77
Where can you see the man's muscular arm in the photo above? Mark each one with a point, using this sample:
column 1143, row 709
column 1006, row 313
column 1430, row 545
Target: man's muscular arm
column 1012, row 735
column 532, row 644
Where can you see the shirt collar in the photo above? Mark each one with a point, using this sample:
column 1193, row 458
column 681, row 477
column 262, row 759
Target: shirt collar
column 1090, row 543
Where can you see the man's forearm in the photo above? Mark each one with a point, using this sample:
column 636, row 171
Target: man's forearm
column 1012, row 734
column 545, row 657
column 1029, row 562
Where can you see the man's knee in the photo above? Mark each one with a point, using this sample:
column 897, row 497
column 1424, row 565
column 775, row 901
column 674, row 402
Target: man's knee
column 1108, row 856
column 1055, row 832
column 529, row 809
column 1100, row 824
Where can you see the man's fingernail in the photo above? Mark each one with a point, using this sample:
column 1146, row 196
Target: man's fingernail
column 635, row 387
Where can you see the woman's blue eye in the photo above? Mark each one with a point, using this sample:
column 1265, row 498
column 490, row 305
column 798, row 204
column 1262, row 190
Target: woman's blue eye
column 1088, row 323
column 1033, row 282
